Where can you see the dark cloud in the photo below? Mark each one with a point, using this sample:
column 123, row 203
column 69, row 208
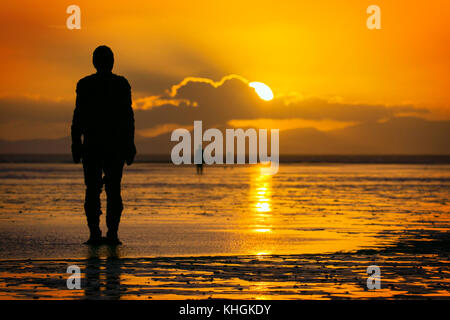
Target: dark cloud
column 234, row 99
column 397, row 136
column 374, row 129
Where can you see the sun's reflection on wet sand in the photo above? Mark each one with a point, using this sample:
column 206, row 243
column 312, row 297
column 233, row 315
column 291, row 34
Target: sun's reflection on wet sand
column 261, row 199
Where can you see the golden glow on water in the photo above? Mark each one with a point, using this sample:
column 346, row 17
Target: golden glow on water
column 243, row 210
column 261, row 196
column 263, row 207
column 313, row 213
column 284, row 236
column 263, row 230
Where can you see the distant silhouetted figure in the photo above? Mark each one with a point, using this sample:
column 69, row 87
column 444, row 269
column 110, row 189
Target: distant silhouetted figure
column 104, row 117
column 199, row 166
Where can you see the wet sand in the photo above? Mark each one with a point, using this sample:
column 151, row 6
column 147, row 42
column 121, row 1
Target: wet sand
column 309, row 232
column 171, row 211
column 410, row 270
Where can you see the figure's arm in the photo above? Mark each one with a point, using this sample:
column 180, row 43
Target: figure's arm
column 76, row 129
column 129, row 132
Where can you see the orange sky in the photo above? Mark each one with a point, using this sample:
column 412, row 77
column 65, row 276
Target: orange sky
column 317, row 49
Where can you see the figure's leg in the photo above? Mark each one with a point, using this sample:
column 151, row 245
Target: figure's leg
column 92, row 206
column 113, row 176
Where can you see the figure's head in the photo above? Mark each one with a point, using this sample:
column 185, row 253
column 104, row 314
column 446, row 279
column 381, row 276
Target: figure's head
column 103, row 59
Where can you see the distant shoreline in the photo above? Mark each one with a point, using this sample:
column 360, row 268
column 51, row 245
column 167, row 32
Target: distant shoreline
column 158, row 158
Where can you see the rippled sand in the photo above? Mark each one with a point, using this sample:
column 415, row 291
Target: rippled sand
column 422, row 273
column 308, row 232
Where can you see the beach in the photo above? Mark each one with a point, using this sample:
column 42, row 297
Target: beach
column 308, row 232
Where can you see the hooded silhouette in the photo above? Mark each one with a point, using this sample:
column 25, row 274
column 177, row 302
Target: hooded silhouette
column 104, row 118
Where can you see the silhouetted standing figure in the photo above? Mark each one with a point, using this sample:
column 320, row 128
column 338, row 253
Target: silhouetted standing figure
column 200, row 155
column 104, row 118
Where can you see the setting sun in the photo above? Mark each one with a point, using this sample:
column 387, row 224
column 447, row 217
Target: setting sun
column 263, row 90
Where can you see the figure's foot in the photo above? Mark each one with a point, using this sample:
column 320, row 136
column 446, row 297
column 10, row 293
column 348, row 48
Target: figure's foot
column 113, row 241
column 94, row 241
column 112, row 238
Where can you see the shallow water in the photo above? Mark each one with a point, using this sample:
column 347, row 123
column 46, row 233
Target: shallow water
column 171, row 211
